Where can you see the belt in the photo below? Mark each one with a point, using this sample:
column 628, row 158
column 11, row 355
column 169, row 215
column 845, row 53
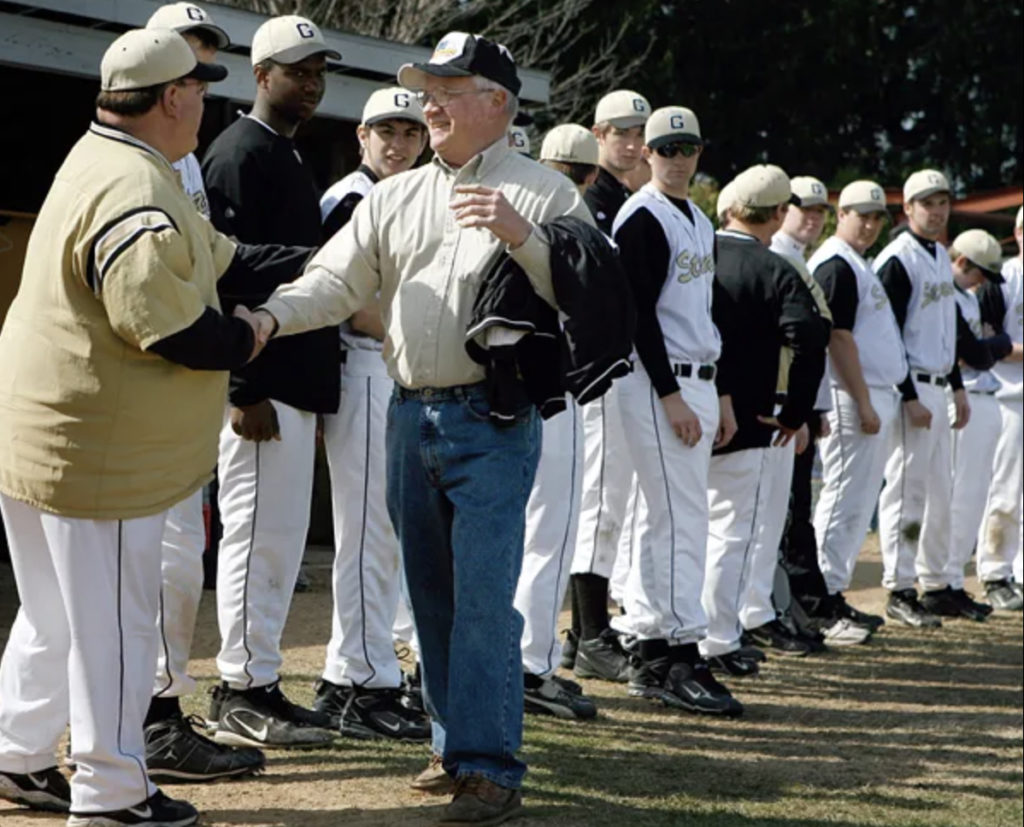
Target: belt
column 477, row 390
column 931, row 379
column 983, row 393
column 780, row 397
column 685, row 369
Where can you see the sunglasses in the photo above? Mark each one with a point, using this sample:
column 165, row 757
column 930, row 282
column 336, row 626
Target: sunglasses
column 672, row 150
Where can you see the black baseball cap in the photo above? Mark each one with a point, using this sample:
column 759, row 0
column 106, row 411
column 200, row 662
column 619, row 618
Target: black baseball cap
column 459, row 55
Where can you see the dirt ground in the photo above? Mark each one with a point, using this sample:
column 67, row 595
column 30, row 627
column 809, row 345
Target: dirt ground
column 916, row 728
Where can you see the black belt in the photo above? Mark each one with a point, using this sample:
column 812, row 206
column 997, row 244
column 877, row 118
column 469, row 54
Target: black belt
column 685, row 369
column 984, row 393
column 780, row 397
column 929, row 379
column 478, row 390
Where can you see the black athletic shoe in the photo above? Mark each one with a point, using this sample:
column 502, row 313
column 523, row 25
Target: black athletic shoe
column 156, row 811
column 412, row 691
column 752, row 652
column 734, row 664
column 683, row 686
column 903, row 606
column 1003, row 596
column 776, row 636
column 264, row 717
column 603, row 658
column 559, row 697
column 366, row 714
column 176, row 753
column 950, row 602
column 840, row 608
column 569, row 649
column 43, row 790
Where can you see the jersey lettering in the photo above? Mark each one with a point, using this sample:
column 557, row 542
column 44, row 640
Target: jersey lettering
column 879, row 295
column 934, row 292
column 692, row 266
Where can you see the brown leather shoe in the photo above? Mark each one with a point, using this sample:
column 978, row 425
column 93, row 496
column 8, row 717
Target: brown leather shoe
column 481, row 802
column 434, row 780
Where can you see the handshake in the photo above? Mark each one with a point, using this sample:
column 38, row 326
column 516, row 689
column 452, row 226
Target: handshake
column 263, row 327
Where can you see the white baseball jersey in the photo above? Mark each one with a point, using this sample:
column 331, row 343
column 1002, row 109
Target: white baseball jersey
column 192, row 182
column 785, row 245
column 929, row 332
column 882, row 358
column 1011, row 374
column 975, row 381
column 684, row 306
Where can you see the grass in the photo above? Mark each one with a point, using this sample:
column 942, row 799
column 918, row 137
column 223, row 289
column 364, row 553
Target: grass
column 915, row 728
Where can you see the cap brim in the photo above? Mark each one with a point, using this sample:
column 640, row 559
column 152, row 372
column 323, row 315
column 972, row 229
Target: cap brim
column 414, row 75
column 807, row 203
column 864, row 208
column 210, row 72
column 223, row 41
column 626, row 123
column 676, row 138
column 917, row 196
column 993, row 276
column 393, row 116
column 302, row 51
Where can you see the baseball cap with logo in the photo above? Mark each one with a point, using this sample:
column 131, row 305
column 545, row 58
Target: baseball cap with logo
column 862, row 197
column 623, row 109
column 461, row 55
column 762, row 185
column 394, row 102
column 519, row 140
column 923, row 183
column 571, row 144
column 289, row 39
column 672, row 124
column 182, row 17
column 148, row 57
column 810, row 191
column 983, row 251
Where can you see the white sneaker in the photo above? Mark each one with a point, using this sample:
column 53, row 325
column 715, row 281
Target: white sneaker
column 844, row 632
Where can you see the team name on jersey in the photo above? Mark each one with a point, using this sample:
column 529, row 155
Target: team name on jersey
column 935, row 291
column 881, row 298
column 693, row 265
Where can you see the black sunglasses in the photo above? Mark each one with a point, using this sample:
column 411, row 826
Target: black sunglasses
column 678, row 148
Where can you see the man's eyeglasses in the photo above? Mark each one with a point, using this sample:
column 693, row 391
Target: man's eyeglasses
column 442, row 97
column 672, row 150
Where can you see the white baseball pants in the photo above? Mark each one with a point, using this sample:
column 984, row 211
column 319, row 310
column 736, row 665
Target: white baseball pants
column 367, row 566
column 82, row 649
column 552, row 514
column 607, row 473
column 265, row 492
column 733, row 490
column 636, row 508
column 662, row 597
column 756, row 606
column 853, row 466
column 181, row 589
column 999, row 541
column 913, row 513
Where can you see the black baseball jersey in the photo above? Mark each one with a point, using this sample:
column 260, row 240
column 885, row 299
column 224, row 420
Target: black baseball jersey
column 605, row 198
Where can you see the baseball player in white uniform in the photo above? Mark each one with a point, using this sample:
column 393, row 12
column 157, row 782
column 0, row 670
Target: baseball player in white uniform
column 552, row 512
column 976, row 257
column 914, row 524
column 360, row 687
column 1000, row 539
column 671, row 418
column 592, row 645
column 867, row 361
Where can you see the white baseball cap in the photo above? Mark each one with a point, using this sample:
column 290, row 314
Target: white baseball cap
column 147, row 57
column 983, row 251
column 862, row 197
column 182, row 17
column 762, row 185
column 394, row 102
column 923, row 183
column 519, row 140
column 810, row 191
column 672, row 124
column 622, row 108
column 1020, row 218
column 571, row 144
column 289, row 39
column 725, row 199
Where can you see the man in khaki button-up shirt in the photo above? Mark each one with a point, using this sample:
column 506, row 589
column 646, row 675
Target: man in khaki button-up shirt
column 457, row 485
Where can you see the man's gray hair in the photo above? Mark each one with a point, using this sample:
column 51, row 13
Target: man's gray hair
column 511, row 101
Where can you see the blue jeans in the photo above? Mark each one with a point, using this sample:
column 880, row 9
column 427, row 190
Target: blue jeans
column 457, row 488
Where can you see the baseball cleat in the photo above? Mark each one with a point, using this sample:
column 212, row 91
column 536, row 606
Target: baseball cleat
column 775, row 636
column 44, row 790
column 683, row 686
column 176, row 753
column 735, row 664
column 156, row 811
column 367, row 714
column 843, row 609
column 1003, row 596
column 264, row 717
column 603, row 658
column 844, row 632
column 412, row 690
column 559, row 697
column 904, row 607
column 569, row 649
column 949, row 602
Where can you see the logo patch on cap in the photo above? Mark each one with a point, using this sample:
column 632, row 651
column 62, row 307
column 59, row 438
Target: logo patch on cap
column 195, row 13
column 677, row 122
column 305, row 30
column 402, row 100
column 876, row 194
column 447, row 49
column 817, row 189
column 639, row 104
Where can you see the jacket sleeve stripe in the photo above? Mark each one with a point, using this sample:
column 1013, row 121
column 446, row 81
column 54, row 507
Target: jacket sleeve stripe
column 118, row 235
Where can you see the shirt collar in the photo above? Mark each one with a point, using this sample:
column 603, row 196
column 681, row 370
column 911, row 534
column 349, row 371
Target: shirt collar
column 739, row 236
column 264, row 124
column 369, row 173
column 480, row 164
column 114, row 134
column 789, row 244
column 927, row 243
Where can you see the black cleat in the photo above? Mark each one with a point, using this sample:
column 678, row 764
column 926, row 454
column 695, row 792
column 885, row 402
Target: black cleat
column 841, row 608
column 1003, row 596
column 904, row 607
column 603, row 658
column 559, row 697
column 950, row 602
column 368, row 714
column 776, row 636
column 264, row 717
column 734, row 663
column 156, row 811
column 683, row 686
column 412, row 691
column 44, row 790
column 176, row 753
column 569, row 649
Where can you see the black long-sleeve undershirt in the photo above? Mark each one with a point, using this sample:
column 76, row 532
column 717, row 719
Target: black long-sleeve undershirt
column 211, row 342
